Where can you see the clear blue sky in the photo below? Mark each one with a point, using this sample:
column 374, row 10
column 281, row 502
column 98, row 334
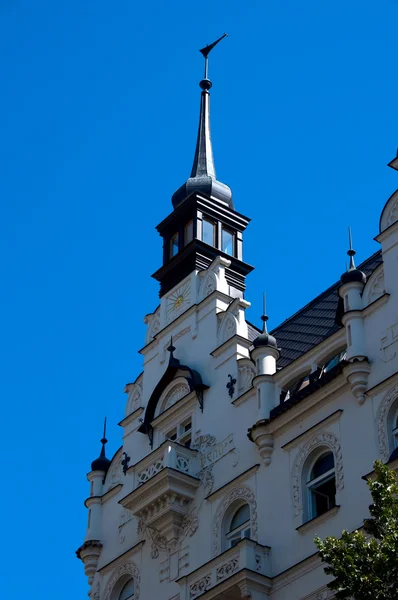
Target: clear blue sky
column 99, row 105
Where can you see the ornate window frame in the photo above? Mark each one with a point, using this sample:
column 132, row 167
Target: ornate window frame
column 243, row 494
column 175, row 391
column 383, row 425
column 119, row 578
column 317, row 443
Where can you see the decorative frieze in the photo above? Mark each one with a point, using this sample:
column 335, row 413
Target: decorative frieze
column 227, row 569
column 200, row 587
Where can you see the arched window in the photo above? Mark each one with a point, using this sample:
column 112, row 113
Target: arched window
column 127, row 592
column 240, row 526
column 321, row 485
column 395, row 430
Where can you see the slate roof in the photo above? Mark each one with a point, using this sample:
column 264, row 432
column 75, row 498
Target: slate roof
column 314, row 323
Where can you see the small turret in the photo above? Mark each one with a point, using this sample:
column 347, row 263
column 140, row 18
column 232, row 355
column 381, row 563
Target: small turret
column 89, row 552
column 265, row 352
column 357, row 371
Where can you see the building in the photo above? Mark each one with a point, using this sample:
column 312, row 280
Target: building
column 239, row 445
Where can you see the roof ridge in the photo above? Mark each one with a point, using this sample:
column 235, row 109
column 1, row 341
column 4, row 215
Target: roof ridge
column 317, row 298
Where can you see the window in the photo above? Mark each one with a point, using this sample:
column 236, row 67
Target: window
column 321, row 486
column 240, row 526
column 395, row 430
column 188, row 233
column 174, row 245
column 297, row 387
column 182, row 433
column 227, row 241
column 127, row 592
column 333, row 362
column 209, row 232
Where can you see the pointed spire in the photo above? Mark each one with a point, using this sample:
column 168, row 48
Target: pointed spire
column 264, row 317
column 351, row 252
column 264, row 339
column 101, row 463
column 172, row 360
column 203, row 174
column 352, row 274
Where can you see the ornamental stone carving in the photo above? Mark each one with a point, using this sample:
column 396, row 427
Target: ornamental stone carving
column 227, row 328
column 200, row 587
column 323, row 439
column 393, row 215
column 95, row 592
column 134, row 391
column 241, row 493
column 377, row 288
column 381, row 422
column 114, row 475
column 245, row 378
column 173, row 395
column 209, row 285
column 129, row 569
column 227, row 569
column 153, row 329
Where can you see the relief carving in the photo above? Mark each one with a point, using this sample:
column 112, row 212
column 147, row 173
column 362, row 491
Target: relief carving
column 128, row 568
column 388, row 338
column 377, row 288
column 243, row 493
column 246, row 374
column 114, row 475
column 323, row 439
column 381, row 422
column 393, row 216
column 228, row 568
column 227, row 328
column 200, row 587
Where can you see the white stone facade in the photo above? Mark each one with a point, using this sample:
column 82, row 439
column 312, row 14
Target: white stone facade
column 165, row 522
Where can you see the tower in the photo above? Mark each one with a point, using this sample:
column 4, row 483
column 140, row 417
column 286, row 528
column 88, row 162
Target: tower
column 240, row 444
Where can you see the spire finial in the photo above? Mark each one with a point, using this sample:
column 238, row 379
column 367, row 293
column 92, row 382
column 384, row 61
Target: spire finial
column 264, row 317
column 104, row 440
column 351, row 252
column 171, row 349
column 203, row 174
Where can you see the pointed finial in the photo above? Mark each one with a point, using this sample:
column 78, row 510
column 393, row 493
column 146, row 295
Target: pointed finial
column 104, row 440
column 264, row 317
column 171, row 349
column 351, row 252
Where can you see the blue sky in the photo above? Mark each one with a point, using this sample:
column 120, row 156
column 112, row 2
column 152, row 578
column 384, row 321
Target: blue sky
column 99, row 108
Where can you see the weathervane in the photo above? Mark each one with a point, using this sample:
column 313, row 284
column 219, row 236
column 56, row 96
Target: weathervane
column 206, row 51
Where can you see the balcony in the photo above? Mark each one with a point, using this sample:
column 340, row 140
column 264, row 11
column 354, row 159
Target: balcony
column 240, row 572
column 165, row 483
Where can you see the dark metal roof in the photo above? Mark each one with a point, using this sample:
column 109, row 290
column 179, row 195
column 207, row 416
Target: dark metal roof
column 313, row 323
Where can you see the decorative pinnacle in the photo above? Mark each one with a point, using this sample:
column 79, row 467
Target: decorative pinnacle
column 104, row 440
column 351, row 252
column 264, row 317
column 171, row 348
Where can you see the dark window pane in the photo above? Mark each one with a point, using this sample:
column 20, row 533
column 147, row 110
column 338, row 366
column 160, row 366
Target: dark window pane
column 188, row 233
column 208, row 231
column 174, row 245
column 241, row 516
column 227, row 242
column 323, row 497
column 323, row 465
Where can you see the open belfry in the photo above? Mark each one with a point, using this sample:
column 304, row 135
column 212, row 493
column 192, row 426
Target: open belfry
column 241, row 444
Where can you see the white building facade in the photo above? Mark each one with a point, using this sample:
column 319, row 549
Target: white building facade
column 239, row 446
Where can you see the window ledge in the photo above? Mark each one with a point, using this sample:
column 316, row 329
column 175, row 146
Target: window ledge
column 318, row 520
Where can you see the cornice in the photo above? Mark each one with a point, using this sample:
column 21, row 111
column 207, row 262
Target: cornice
column 121, row 558
column 382, row 385
column 175, row 410
column 238, row 480
column 335, row 416
column 318, row 398
column 131, row 417
column 376, row 304
column 235, row 339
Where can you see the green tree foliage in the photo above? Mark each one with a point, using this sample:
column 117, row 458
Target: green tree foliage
column 365, row 567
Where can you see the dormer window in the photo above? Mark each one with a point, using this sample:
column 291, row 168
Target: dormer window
column 209, row 232
column 227, row 241
column 174, row 245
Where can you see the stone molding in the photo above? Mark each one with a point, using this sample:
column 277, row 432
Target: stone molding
column 375, row 286
column 322, row 439
column 240, row 493
column 127, row 568
column 381, row 421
